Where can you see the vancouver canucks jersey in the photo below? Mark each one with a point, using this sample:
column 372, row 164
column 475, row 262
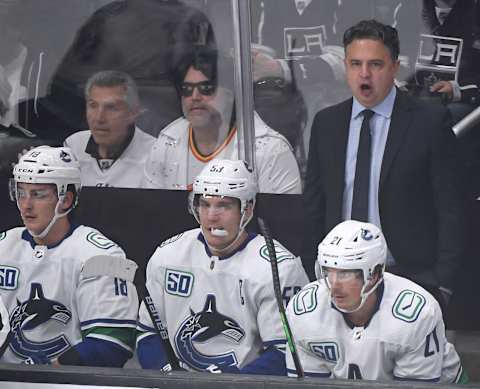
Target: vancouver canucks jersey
column 218, row 311
column 53, row 303
column 404, row 340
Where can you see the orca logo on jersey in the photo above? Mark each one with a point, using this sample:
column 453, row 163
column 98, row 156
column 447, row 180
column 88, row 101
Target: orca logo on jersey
column 202, row 326
column 29, row 315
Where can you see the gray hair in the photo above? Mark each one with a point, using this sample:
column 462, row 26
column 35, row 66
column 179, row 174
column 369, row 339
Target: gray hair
column 112, row 78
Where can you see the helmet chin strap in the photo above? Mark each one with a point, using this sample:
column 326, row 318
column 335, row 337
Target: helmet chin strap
column 364, row 295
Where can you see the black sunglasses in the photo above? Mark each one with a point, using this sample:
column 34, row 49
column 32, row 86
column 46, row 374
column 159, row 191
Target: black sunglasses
column 205, row 88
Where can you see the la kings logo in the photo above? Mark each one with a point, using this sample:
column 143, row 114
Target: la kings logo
column 303, row 42
column 30, row 314
column 200, row 327
column 439, row 58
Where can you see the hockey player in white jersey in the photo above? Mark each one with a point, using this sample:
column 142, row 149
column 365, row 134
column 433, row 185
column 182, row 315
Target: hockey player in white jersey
column 67, row 288
column 358, row 322
column 212, row 285
column 113, row 151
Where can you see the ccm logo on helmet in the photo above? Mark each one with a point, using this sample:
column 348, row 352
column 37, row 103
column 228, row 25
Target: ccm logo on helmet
column 25, row 170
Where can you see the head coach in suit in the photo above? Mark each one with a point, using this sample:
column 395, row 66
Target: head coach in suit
column 412, row 186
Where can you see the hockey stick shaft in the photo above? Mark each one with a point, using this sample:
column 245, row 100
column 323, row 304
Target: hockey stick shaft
column 162, row 332
column 278, row 295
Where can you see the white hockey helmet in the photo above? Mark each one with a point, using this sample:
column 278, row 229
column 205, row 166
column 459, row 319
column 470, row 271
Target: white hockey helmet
column 228, row 178
column 353, row 245
column 48, row 165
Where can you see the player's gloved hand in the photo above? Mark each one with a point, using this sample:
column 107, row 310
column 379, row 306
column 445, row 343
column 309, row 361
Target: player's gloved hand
column 37, row 359
column 214, row 369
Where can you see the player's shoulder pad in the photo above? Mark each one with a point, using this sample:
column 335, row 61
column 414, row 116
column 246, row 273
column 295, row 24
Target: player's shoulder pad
column 281, row 252
column 110, row 266
column 409, row 304
column 13, row 233
column 170, row 240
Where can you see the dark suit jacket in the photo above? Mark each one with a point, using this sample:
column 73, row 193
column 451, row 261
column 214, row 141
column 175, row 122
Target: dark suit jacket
column 421, row 198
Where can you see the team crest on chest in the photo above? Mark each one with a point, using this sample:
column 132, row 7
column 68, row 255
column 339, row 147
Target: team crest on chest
column 32, row 313
column 202, row 326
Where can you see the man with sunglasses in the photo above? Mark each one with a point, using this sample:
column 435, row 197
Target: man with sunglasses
column 113, row 151
column 359, row 322
column 208, row 130
column 67, row 288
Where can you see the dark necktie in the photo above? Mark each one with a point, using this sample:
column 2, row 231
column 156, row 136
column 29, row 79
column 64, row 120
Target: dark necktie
column 362, row 171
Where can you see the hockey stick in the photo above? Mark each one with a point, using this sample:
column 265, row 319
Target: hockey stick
column 172, row 360
column 278, row 295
